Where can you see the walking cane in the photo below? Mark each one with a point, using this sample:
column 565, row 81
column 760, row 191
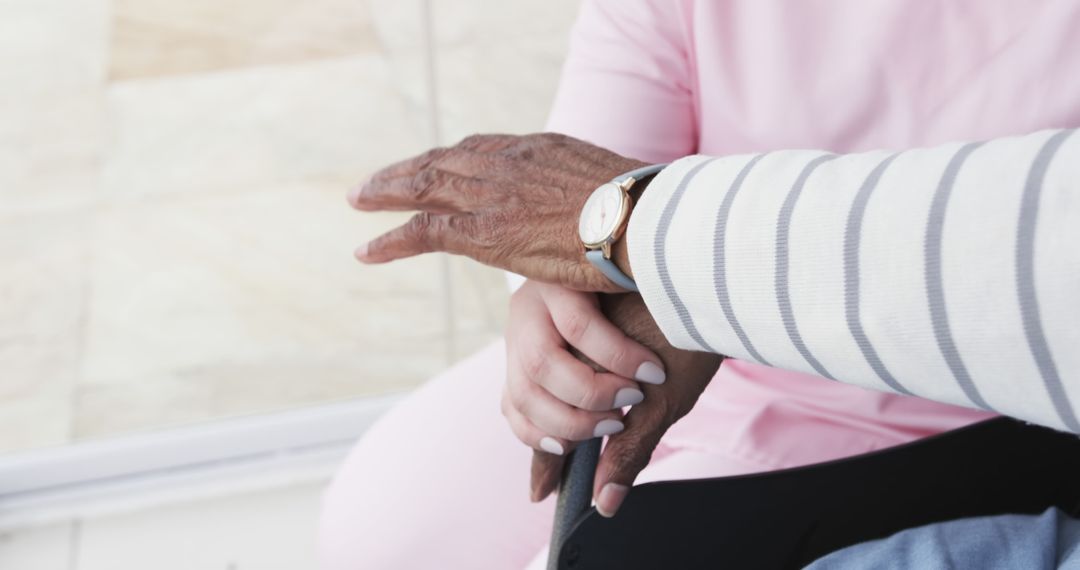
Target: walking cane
column 575, row 494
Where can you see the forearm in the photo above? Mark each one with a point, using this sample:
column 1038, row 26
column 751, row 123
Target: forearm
column 949, row 273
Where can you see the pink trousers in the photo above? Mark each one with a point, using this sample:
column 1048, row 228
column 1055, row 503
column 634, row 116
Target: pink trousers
column 440, row 482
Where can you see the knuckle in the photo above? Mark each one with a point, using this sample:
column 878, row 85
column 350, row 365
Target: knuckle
column 562, row 144
column 534, row 364
column 541, row 139
column 660, row 414
column 450, row 183
column 573, row 427
column 631, row 456
column 460, row 224
column 423, row 183
column 593, row 397
column 474, row 141
column 618, row 352
column 432, row 156
column 489, row 230
column 420, row 228
column 555, row 138
column 573, row 325
column 521, row 149
column 523, row 154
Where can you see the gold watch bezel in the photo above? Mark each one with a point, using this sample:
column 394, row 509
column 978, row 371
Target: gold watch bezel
column 623, row 216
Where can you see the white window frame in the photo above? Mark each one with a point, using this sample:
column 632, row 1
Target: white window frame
column 213, row 458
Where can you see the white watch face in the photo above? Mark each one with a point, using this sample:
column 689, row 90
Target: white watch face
column 600, row 216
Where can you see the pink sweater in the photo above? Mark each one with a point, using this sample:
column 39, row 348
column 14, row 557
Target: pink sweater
column 659, row 80
column 663, row 79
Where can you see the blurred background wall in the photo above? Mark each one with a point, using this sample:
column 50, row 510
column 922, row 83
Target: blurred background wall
column 174, row 241
column 175, row 245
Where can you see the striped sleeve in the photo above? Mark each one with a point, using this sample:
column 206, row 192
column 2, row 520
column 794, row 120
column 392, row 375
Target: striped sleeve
column 950, row 273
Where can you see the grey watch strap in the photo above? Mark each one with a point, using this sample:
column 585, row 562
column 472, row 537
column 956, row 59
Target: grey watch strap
column 640, row 173
column 596, row 257
column 610, row 270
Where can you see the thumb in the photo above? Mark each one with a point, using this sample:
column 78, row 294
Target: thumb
column 627, row 453
column 545, row 475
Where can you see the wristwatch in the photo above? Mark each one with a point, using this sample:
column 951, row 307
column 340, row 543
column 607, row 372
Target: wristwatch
column 603, row 221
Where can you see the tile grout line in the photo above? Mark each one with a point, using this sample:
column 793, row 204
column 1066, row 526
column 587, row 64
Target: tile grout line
column 472, row 272
column 87, row 290
column 86, row 294
column 435, row 134
column 74, row 544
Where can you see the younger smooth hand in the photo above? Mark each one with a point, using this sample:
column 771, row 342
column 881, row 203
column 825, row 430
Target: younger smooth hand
column 629, row 451
column 552, row 399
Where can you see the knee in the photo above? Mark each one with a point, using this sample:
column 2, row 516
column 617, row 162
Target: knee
column 337, row 540
column 358, row 508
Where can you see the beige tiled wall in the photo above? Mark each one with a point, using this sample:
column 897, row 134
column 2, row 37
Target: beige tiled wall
column 174, row 242
column 263, row 529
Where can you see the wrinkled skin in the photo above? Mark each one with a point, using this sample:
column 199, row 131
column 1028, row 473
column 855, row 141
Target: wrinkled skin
column 508, row 201
column 513, row 202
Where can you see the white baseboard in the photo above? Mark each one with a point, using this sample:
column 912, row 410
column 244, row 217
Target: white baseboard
column 125, row 473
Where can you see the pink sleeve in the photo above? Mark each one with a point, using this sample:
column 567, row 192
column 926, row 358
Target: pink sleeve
column 626, row 84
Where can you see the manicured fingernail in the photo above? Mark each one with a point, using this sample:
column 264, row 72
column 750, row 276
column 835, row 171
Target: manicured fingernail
column 628, row 397
column 607, row 427
column 551, row 446
column 361, row 252
column 610, row 499
column 650, row 373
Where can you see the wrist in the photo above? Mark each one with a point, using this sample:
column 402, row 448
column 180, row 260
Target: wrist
column 603, row 223
column 620, row 256
column 620, row 250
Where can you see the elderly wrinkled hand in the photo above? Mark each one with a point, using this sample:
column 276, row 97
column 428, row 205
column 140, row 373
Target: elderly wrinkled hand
column 508, row 201
column 514, row 202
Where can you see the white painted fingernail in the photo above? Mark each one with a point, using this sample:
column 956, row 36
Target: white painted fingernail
column 628, row 397
column 607, row 427
column 610, row 499
column 551, row 446
column 650, row 373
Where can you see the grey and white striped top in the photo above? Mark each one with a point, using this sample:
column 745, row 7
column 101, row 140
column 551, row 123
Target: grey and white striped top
column 951, row 273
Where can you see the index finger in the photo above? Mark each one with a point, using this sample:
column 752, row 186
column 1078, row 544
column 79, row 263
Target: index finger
column 410, row 166
column 430, row 190
column 582, row 324
column 627, row 453
column 440, row 180
column 399, row 173
column 478, row 144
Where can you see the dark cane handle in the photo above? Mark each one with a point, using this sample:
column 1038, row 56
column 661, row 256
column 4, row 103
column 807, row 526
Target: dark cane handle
column 575, row 494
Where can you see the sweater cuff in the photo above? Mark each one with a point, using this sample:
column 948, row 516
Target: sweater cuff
column 647, row 253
